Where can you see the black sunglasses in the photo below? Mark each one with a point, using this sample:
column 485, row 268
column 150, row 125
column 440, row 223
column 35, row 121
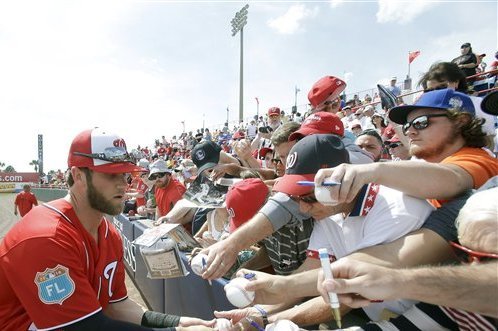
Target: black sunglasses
column 111, row 154
column 420, row 122
column 276, row 161
column 157, row 175
column 394, row 145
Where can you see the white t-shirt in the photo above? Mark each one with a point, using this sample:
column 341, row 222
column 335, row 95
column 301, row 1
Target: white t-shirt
column 380, row 215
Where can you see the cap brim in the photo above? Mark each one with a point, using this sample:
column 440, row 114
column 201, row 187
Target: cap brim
column 489, row 104
column 399, row 114
column 117, row 168
column 207, row 166
column 288, row 184
column 303, row 132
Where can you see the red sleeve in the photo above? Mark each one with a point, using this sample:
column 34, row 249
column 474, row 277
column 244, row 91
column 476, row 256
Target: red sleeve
column 50, row 281
column 33, row 199
column 17, row 200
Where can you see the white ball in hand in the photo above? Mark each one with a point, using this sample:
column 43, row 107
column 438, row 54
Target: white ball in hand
column 237, row 295
column 197, row 263
column 222, row 324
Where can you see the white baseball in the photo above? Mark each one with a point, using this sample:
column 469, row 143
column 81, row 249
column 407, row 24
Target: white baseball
column 222, row 324
column 322, row 194
column 197, row 265
column 282, row 325
column 237, row 295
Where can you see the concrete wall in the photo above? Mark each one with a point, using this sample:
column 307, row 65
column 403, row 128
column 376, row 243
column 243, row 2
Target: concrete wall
column 46, row 194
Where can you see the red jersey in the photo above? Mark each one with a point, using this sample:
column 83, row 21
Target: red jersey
column 141, row 188
column 25, row 201
column 166, row 197
column 53, row 273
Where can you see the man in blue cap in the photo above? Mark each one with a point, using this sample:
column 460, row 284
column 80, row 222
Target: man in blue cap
column 442, row 130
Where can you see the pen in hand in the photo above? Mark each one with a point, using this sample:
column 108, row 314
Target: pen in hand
column 204, row 267
column 334, row 300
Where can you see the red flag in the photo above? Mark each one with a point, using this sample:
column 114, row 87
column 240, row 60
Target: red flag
column 257, row 100
column 412, row 56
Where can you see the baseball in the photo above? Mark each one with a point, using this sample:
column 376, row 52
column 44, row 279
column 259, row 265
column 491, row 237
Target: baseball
column 282, row 325
column 197, row 265
column 322, row 194
column 237, row 295
column 222, row 324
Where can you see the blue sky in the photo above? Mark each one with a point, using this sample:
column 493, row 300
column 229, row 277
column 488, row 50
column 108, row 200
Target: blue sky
column 140, row 68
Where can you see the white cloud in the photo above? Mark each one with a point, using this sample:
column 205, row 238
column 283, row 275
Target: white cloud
column 291, row 21
column 336, row 3
column 402, row 12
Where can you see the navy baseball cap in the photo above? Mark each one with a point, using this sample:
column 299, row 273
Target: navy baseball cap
column 489, row 104
column 206, row 155
column 439, row 99
column 309, row 155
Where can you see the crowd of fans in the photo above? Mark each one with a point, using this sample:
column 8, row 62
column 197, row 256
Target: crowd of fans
column 388, row 189
column 405, row 171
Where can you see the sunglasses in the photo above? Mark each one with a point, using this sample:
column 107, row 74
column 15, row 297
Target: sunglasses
column 157, row 175
column 110, row 154
column 394, row 145
column 309, row 198
column 420, row 122
column 466, row 255
column 276, row 161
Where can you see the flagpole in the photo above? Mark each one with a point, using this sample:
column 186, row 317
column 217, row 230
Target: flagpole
column 408, row 64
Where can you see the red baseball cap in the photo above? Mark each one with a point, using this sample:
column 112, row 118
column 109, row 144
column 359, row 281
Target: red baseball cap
column 274, row 111
column 394, row 139
column 327, row 88
column 319, row 122
column 261, row 152
column 101, row 151
column 244, row 199
column 238, row 135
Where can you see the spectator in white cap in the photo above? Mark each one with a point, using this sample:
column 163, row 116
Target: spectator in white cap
column 167, row 190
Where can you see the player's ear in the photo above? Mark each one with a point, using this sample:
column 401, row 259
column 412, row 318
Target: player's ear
column 78, row 175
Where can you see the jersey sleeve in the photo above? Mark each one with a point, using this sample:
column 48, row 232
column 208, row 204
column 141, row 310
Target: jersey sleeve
column 49, row 278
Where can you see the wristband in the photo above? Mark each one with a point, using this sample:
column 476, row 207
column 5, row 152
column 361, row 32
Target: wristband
column 153, row 319
column 263, row 313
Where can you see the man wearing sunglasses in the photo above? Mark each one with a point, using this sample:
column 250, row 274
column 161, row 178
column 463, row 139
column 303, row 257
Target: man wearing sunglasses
column 443, row 131
column 167, row 190
column 61, row 266
column 397, row 149
column 324, row 94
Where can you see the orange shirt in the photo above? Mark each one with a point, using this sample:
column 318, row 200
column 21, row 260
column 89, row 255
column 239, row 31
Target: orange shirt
column 477, row 162
column 166, row 197
column 25, row 201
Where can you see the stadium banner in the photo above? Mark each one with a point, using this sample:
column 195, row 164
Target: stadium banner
column 19, row 177
column 8, row 187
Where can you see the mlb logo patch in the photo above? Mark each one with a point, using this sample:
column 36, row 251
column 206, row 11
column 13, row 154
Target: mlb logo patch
column 54, row 285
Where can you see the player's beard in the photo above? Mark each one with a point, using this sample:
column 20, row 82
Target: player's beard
column 100, row 203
